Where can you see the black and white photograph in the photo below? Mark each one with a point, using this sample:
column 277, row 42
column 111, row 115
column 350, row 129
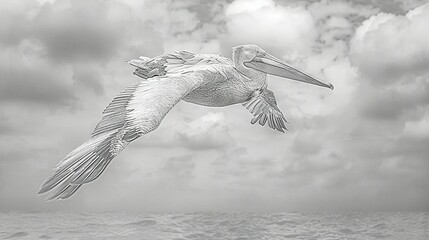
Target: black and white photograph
column 214, row 120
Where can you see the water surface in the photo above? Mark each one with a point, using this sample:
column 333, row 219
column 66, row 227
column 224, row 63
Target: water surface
column 237, row 226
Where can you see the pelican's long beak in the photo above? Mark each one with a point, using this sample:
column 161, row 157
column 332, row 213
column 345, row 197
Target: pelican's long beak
column 274, row 66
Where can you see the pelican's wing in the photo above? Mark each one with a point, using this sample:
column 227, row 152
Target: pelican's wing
column 264, row 109
column 139, row 109
column 173, row 63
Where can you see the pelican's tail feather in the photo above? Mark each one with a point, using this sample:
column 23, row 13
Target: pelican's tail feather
column 82, row 165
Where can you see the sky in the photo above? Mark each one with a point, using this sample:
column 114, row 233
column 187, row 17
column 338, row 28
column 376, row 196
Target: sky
column 363, row 146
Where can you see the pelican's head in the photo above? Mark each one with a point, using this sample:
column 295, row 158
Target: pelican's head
column 254, row 57
column 246, row 53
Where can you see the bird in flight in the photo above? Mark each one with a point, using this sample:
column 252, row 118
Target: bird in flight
column 203, row 79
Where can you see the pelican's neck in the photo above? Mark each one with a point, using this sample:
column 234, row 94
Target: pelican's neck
column 256, row 79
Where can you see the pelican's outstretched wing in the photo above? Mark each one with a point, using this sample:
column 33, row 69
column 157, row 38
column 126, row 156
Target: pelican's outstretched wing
column 139, row 109
column 174, row 63
column 264, row 108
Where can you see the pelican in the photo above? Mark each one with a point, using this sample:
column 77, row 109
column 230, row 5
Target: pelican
column 203, row 79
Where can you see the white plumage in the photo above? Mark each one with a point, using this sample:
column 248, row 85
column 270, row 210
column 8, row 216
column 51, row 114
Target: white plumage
column 203, row 79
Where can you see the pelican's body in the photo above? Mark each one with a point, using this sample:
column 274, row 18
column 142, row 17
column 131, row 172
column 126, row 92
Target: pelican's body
column 203, row 79
column 223, row 88
column 223, row 85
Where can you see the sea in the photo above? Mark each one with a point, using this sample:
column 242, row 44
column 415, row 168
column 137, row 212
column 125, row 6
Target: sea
column 203, row 225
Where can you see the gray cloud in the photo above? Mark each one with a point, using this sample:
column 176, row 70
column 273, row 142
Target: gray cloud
column 69, row 31
column 207, row 132
column 5, row 126
column 337, row 20
column 306, row 144
column 395, row 87
column 34, row 85
column 179, row 167
column 89, row 77
column 268, row 25
column 386, row 58
column 80, row 31
column 15, row 24
column 393, row 103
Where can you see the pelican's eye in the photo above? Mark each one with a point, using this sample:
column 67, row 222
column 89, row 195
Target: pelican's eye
column 249, row 54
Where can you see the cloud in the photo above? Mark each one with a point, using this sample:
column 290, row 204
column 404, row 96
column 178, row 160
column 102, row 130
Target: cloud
column 179, row 167
column 170, row 19
column 15, row 24
column 206, row 132
column 268, row 25
column 77, row 30
column 386, row 46
column 406, row 5
column 391, row 52
column 186, row 25
column 89, row 77
column 32, row 84
column 336, row 20
column 394, row 6
column 62, row 48
column 353, row 11
column 417, row 128
column 72, row 31
column 398, row 102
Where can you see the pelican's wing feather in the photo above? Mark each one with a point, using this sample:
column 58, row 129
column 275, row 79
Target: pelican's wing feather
column 138, row 110
column 173, row 63
column 264, row 108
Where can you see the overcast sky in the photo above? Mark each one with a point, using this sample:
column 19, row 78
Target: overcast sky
column 363, row 146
